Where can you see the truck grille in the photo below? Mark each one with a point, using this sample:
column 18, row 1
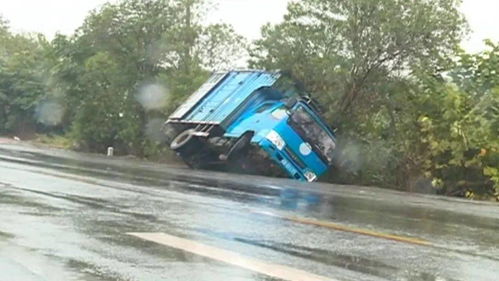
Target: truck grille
column 295, row 158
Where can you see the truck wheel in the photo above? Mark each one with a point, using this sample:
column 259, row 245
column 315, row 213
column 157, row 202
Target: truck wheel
column 184, row 142
column 169, row 133
column 239, row 146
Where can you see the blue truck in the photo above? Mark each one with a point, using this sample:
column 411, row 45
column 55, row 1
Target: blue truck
column 255, row 122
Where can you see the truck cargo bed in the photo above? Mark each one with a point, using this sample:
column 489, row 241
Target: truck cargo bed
column 221, row 95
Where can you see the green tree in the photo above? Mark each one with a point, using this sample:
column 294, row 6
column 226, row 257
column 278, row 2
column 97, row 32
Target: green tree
column 22, row 80
column 108, row 114
column 359, row 59
column 120, row 51
column 345, row 50
column 459, row 126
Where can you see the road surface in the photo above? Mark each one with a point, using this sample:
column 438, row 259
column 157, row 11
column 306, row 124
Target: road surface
column 70, row 216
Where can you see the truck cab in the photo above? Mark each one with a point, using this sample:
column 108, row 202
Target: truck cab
column 252, row 119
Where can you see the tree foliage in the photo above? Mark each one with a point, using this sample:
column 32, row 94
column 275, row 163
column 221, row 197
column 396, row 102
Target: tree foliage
column 345, row 51
column 23, row 79
column 122, row 49
column 460, row 126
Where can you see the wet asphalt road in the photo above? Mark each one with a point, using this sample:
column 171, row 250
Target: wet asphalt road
column 64, row 216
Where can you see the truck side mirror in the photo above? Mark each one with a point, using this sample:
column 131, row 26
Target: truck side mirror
column 290, row 103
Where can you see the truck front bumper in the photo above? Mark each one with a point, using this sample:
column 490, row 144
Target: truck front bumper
column 284, row 161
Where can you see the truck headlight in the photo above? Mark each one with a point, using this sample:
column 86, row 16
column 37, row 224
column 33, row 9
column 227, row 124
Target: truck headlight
column 310, row 176
column 276, row 139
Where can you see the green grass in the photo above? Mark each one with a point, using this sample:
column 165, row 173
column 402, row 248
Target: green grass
column 57, row 141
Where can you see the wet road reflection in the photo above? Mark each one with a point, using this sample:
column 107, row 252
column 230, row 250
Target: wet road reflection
column 64, row 216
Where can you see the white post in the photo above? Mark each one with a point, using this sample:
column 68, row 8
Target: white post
column 110, row 151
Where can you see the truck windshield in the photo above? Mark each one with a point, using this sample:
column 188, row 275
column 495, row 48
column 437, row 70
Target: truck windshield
column 313, row 133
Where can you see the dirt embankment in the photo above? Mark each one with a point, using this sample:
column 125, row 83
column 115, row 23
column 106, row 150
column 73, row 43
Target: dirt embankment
column 4, row 140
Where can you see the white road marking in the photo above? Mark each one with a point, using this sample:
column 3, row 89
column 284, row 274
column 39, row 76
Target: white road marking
column 269, row 269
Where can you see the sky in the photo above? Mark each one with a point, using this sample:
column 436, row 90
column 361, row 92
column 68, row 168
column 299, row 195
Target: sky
column 247, row 16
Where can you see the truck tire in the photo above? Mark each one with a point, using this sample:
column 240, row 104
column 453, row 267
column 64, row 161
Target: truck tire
column 184, row 142
column 169, row 132
column 241, row 144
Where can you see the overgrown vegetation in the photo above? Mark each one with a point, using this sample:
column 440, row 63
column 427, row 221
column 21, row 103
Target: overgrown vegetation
column 414, row 112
